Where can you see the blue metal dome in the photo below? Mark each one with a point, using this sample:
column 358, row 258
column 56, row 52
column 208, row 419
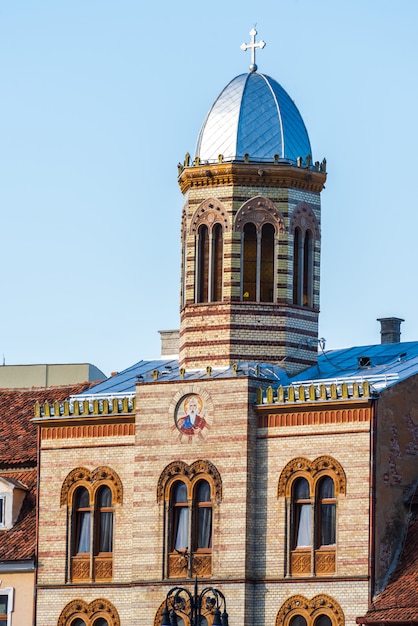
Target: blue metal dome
column 253, row 115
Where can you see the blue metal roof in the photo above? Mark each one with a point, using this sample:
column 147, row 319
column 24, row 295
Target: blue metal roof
column 382, row 364
column 124, row 382
column 253, row 115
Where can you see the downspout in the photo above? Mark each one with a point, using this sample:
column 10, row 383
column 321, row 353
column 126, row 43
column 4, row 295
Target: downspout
column 38, row 480
column 372, row 514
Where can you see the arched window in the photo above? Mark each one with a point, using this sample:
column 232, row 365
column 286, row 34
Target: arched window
column 311, row 489
column 104, row 521
column 298, row 620
column 303, row 267
column 302, row 514
column 297, row 278
column 203, row 264
column 326, row 512
column 189, row 494
column 217, row 263
column 99, row 612
column 321, row 610
column 203, row 517
column 323, row 620
column 249, row 269
column 305, row 228
column 258, row 263
column 209, row 263
column 179, row 517
column 190, row 523
column 267, row 264
column 90, row 498
column 81, row 525
column 308, row 269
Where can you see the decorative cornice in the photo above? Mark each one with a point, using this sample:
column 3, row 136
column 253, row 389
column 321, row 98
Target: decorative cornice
column 252, row 175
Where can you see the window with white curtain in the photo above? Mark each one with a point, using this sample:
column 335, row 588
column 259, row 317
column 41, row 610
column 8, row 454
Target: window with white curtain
column 92, row 533
column 190, row 520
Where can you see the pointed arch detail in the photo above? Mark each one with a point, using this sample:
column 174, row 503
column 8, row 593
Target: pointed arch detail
column 322, row 604
column 89, row 612
column 259, row 211
column 311, row 470
column 304, row 218
column 81, row 475
column 209, row 213
column 198, row 468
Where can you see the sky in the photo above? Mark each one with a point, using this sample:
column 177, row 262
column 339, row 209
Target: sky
column 101, row 99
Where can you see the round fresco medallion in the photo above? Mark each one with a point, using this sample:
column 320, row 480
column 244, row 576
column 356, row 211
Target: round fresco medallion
column 191, row 419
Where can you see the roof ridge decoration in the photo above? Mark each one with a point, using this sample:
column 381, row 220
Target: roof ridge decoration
column 253, row 46
column 315, row 392
column 87, row 407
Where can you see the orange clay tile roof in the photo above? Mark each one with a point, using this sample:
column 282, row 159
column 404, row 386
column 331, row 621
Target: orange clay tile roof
column 18, row 460
column 18, row 434
column 398, row 603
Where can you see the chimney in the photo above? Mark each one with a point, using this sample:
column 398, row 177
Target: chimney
column 169, row 344
column 390, row 329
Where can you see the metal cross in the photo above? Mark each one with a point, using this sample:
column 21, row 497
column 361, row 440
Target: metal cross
column 253, row 45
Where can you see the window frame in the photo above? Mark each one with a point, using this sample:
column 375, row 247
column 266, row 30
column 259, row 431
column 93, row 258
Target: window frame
column 91, row 566
column 3, row 498
column 258, row 258
column 8, row 592
column 196, row 561
column 310, row 610
column 317, row 559
column 209, row 255
column 193, row 507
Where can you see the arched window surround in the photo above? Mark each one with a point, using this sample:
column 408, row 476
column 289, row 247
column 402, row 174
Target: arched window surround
column 195, row 558
column 91, row 563
column 260, row 224
column 89, row 613
column 320, row 605
column 208, row 225
column 311, row 548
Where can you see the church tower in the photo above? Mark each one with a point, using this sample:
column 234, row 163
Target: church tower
column 250, row 272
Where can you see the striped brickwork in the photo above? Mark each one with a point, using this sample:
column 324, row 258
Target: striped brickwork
column 221, row 334
column 250, row 454
column 233, row 330
column 326, row 428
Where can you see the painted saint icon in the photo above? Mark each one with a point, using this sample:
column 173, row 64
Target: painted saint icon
column 193, row 422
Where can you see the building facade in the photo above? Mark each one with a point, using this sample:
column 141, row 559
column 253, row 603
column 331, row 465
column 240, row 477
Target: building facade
column 249, row 463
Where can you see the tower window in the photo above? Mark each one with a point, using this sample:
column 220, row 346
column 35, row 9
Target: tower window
column 303, row 260
column 209, row 263
column 258, row 263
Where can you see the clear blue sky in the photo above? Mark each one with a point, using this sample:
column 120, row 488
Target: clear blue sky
column 100, row 101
